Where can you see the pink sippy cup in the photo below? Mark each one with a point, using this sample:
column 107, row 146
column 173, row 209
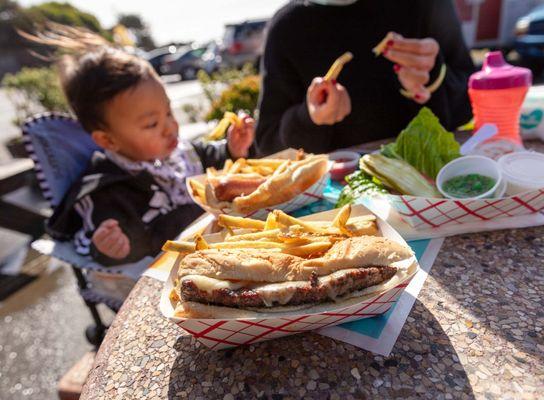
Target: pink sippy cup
column 497, row 93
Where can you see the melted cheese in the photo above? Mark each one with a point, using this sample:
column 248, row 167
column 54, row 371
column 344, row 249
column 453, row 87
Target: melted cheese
column 208, row 285
column 270, row 293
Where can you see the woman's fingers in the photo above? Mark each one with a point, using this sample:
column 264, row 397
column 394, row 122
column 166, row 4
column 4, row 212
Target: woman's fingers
column 427, row 46
column 344, row 108
column 328, row 102
column 406, row 59
column 412, row 79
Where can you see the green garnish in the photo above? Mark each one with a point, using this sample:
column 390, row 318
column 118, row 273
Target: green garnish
column 358, row 184
column 466, row 186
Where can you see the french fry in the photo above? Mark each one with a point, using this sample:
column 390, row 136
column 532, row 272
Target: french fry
column 287, row 220
column 264, row 170
column 221, row 129
column 271, row 222
column 200, row 243
column 342, row 217
column 266, row 162
column 211, row 172
column 293, row 240
column 282, row 168
column 380, row 47
column 271, row 234
column 247, row 244
column 308, row 249
column 227, row 166
column 227, row 221
column 432, row 87
column 341, row 220
column 180, row 247
column 337, row 66
column 237, row 166
column 198, row 189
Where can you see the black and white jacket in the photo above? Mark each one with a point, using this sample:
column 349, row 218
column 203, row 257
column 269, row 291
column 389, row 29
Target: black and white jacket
column 147, row 211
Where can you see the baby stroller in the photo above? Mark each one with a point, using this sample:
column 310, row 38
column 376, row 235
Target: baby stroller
column 61, row 150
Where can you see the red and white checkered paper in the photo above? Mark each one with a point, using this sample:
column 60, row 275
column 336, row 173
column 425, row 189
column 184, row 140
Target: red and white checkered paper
column 425, row 213
column 224, row 333
column 310, row 195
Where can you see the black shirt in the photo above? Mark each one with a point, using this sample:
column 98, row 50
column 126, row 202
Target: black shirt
column 305, row 38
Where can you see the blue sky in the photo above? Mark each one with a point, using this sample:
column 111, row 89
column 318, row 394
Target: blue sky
column 178, row 20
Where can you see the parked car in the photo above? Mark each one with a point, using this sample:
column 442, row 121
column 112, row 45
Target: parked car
column 243, row 43
column 156, row 57
column 529, row 41
column 212, row 59
column 185, row 62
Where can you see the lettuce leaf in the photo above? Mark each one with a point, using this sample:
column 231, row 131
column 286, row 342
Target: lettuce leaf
column 424, row 144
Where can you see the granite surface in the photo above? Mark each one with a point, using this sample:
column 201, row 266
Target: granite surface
column 475, row 331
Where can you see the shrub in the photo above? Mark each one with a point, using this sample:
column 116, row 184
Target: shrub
column 34, row 90
column 239, row 96
column 230, row 90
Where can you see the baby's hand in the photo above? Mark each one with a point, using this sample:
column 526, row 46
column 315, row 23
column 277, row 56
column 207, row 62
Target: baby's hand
column 110, row 240
column 240, row 136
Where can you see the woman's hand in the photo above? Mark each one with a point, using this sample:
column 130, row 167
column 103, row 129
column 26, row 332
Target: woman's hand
column 414, row 59
column 110, row 240
column 241, row 136
column 328, row 102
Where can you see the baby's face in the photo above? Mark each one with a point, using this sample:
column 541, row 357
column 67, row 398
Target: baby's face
column 140, row 122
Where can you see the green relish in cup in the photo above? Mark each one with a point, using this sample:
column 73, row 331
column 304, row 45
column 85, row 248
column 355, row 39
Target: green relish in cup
column 467, row 186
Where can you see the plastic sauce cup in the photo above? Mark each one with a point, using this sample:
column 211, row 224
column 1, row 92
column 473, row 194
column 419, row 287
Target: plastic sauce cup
column 523, row 171
column 471, row 165
column 345, row 162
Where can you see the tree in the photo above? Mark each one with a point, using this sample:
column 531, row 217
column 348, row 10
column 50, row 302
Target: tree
column 64, row 13
column 139, row 28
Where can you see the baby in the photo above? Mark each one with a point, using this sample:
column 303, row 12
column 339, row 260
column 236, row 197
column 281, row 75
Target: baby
column 133, row 197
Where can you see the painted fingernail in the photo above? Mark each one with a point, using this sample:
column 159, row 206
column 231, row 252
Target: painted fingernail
column 390, row 43
column 333, row 81
column 396, row 68
column 417, row 96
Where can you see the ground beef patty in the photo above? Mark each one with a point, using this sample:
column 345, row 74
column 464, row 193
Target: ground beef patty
column 314, row 291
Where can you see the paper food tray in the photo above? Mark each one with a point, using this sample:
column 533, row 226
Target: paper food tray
column 224, row 333
column 310, row 195
column 425, row 213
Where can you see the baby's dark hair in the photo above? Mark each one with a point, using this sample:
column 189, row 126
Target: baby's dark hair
column 92, row 71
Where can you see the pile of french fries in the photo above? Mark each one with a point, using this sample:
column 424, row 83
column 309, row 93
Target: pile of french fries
column 282, row 233
column 263, row 167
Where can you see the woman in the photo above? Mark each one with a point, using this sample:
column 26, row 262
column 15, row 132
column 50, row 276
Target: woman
column 298, row 108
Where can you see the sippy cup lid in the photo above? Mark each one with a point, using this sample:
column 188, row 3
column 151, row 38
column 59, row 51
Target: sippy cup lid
column 498, row 74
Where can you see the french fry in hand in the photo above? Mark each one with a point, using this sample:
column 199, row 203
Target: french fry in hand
column 221, row 129
column 337, row 66
column 227, row 221
column 380, row 47
column 433, row 87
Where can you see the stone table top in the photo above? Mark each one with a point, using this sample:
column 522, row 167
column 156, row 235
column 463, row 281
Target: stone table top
column 475, row 331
